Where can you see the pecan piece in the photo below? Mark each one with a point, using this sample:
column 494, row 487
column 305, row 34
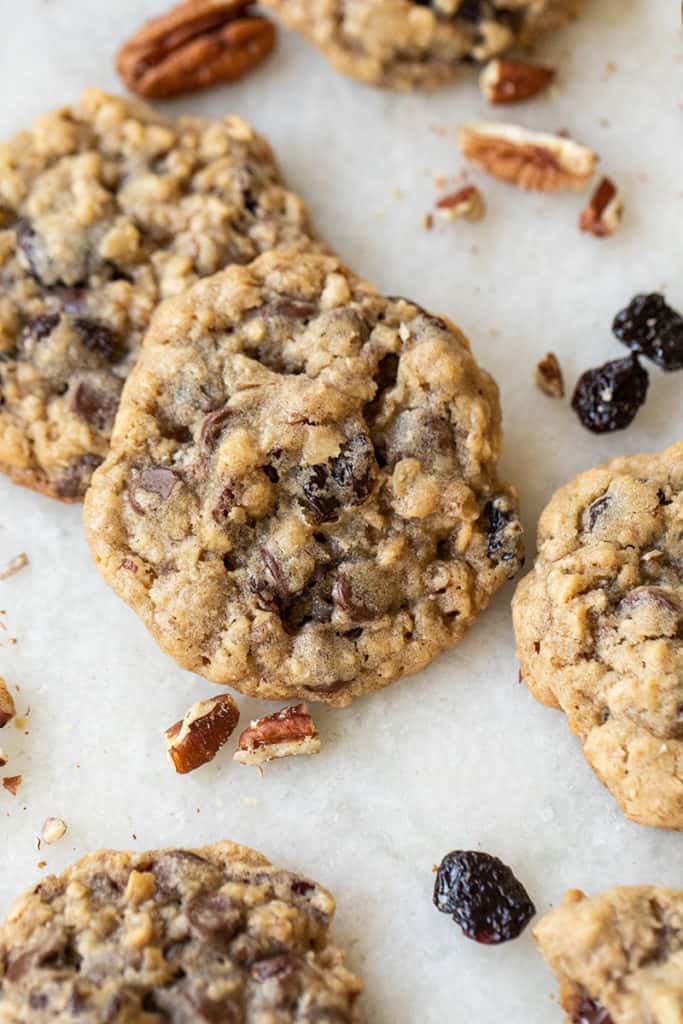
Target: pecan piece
column 194, row 46
column 7, row 708
column 12, row 782
column 602, row 216
column 511, row 81
column 14, row 566
column 532, row 160
column 467, row 202
column 549, row 378
column 288, row 732
column 196, row 739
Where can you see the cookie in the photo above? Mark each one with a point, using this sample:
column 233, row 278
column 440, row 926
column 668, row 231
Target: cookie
column 105, row 209
column 618, row 957
column 599, row 626
column 408, row 44
column 189, row 936
column 301, row 499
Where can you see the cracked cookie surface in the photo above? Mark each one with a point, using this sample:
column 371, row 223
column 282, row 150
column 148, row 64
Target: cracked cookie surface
column 404, row 44
column 301, row 498
column 106, row 208
column 618, row 956
column 599, row 626
column 173, row 937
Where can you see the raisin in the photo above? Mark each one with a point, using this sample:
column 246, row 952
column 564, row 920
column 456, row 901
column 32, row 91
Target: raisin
column 590, row 1011
column 342, row 481
column 38, row 329
column 651, row 328
column 97, row 338
column 608, row 397
column 483, row 896
column 503, row 533
column 317, row 495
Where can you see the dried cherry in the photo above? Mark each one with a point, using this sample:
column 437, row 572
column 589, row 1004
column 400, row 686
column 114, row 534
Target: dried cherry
column 483, row 896
column 608, row 397
column 653, row 329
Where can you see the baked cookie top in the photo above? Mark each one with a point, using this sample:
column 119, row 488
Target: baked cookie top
column 599, row 626
column 215, row 934
column 105, row 209
column 618, row 956
column 406, row 44
column 301, row 498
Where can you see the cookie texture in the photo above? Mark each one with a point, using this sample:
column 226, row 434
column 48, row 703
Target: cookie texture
column 301, row 498
column 407, row 44
column 182, row 936
column 599, row 626
column 105, row 209
column 618, row 957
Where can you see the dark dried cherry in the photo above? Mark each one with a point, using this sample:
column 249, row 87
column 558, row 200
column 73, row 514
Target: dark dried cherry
column 503, row 533
column 97, row 337
column 653, row 329
column 345, row 480
column 483, row 896
column 608, row 397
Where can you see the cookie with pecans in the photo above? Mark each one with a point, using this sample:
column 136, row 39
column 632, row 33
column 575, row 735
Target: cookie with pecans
column 418, row 44
column 106, row 208
column 215, row 934
column 599, row 626
column 301, row 499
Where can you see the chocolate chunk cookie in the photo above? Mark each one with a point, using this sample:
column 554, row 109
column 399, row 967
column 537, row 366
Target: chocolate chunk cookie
column 185, row 936
column 407, row 44
column 619, row 956
column 105, row 209
column 301, row 499
column 599, row 626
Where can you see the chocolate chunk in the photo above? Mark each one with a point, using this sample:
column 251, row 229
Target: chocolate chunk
column 664, row 599
column 300, row 887
column 214, row 915
column 212, row 427
column 97, row 337
column 27, row 240
column 596, row 510
column 276, row 572
column 95, row 406
column 222, row 508
column 75, row 477
column 590, row 1011
column 345, row 480
column 342, row 595
column 292, row 309
column 159, row 480
column 38, row 329
column 274, row 966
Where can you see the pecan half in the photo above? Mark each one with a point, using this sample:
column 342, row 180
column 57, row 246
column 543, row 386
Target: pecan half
column 602, row 216
column 549, row 376
column 195, row 45
column 196, row 739
column 7, row 708
column 287, row 733
column 511, row 81
column 467, row 202
column 532, row 160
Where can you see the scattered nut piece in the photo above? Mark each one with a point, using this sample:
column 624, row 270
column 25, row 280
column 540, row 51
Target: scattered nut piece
column 288, row 732
column 467, row 202
column 7, row 707
column 195, row 45
column 14, row 566
column 602, row 216
column 53, row 830
column 511, row 81
column 532, row 160
column 549, row 376
column 3, row 758
column 196, row 739
column 11, row 783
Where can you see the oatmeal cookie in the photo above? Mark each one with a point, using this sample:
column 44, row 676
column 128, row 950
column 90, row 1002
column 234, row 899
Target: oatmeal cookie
column 105, row 209
column 599, row 626
column 301, row 498
column 618, row 957
column 215, row 934
column 407, row 44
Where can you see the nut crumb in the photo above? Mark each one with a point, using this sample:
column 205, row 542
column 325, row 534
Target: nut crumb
column 532, row 160
column 511, row 81
column 549, row 376
column 286, row 733
column 196, row 739
column 53, row 830
column 467, row 202
column 427, row 221
column 3, row 758
column 12, row 782
column 7, row 707
column 603, row 214
column 14, row 566
column 42, row 864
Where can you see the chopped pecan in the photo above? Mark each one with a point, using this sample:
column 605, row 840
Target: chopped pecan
column 196, row 739
column 288, row 732
column 532, row 160
column 53, row 830
column 14, row 566
column 511, row 81
column 3, row 758
column 195, row 45
column 549, row 376
column 7, row 708
column 12, row 782
column 602, row 216
column 467, row 202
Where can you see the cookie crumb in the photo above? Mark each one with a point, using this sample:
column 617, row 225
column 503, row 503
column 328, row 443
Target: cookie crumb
column 14, row 566
column 53, row 830
column 549, row 376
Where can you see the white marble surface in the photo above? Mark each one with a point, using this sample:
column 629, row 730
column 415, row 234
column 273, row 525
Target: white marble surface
column 460, row 756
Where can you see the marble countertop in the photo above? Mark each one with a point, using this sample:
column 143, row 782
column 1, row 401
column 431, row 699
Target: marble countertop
column 461, row 755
